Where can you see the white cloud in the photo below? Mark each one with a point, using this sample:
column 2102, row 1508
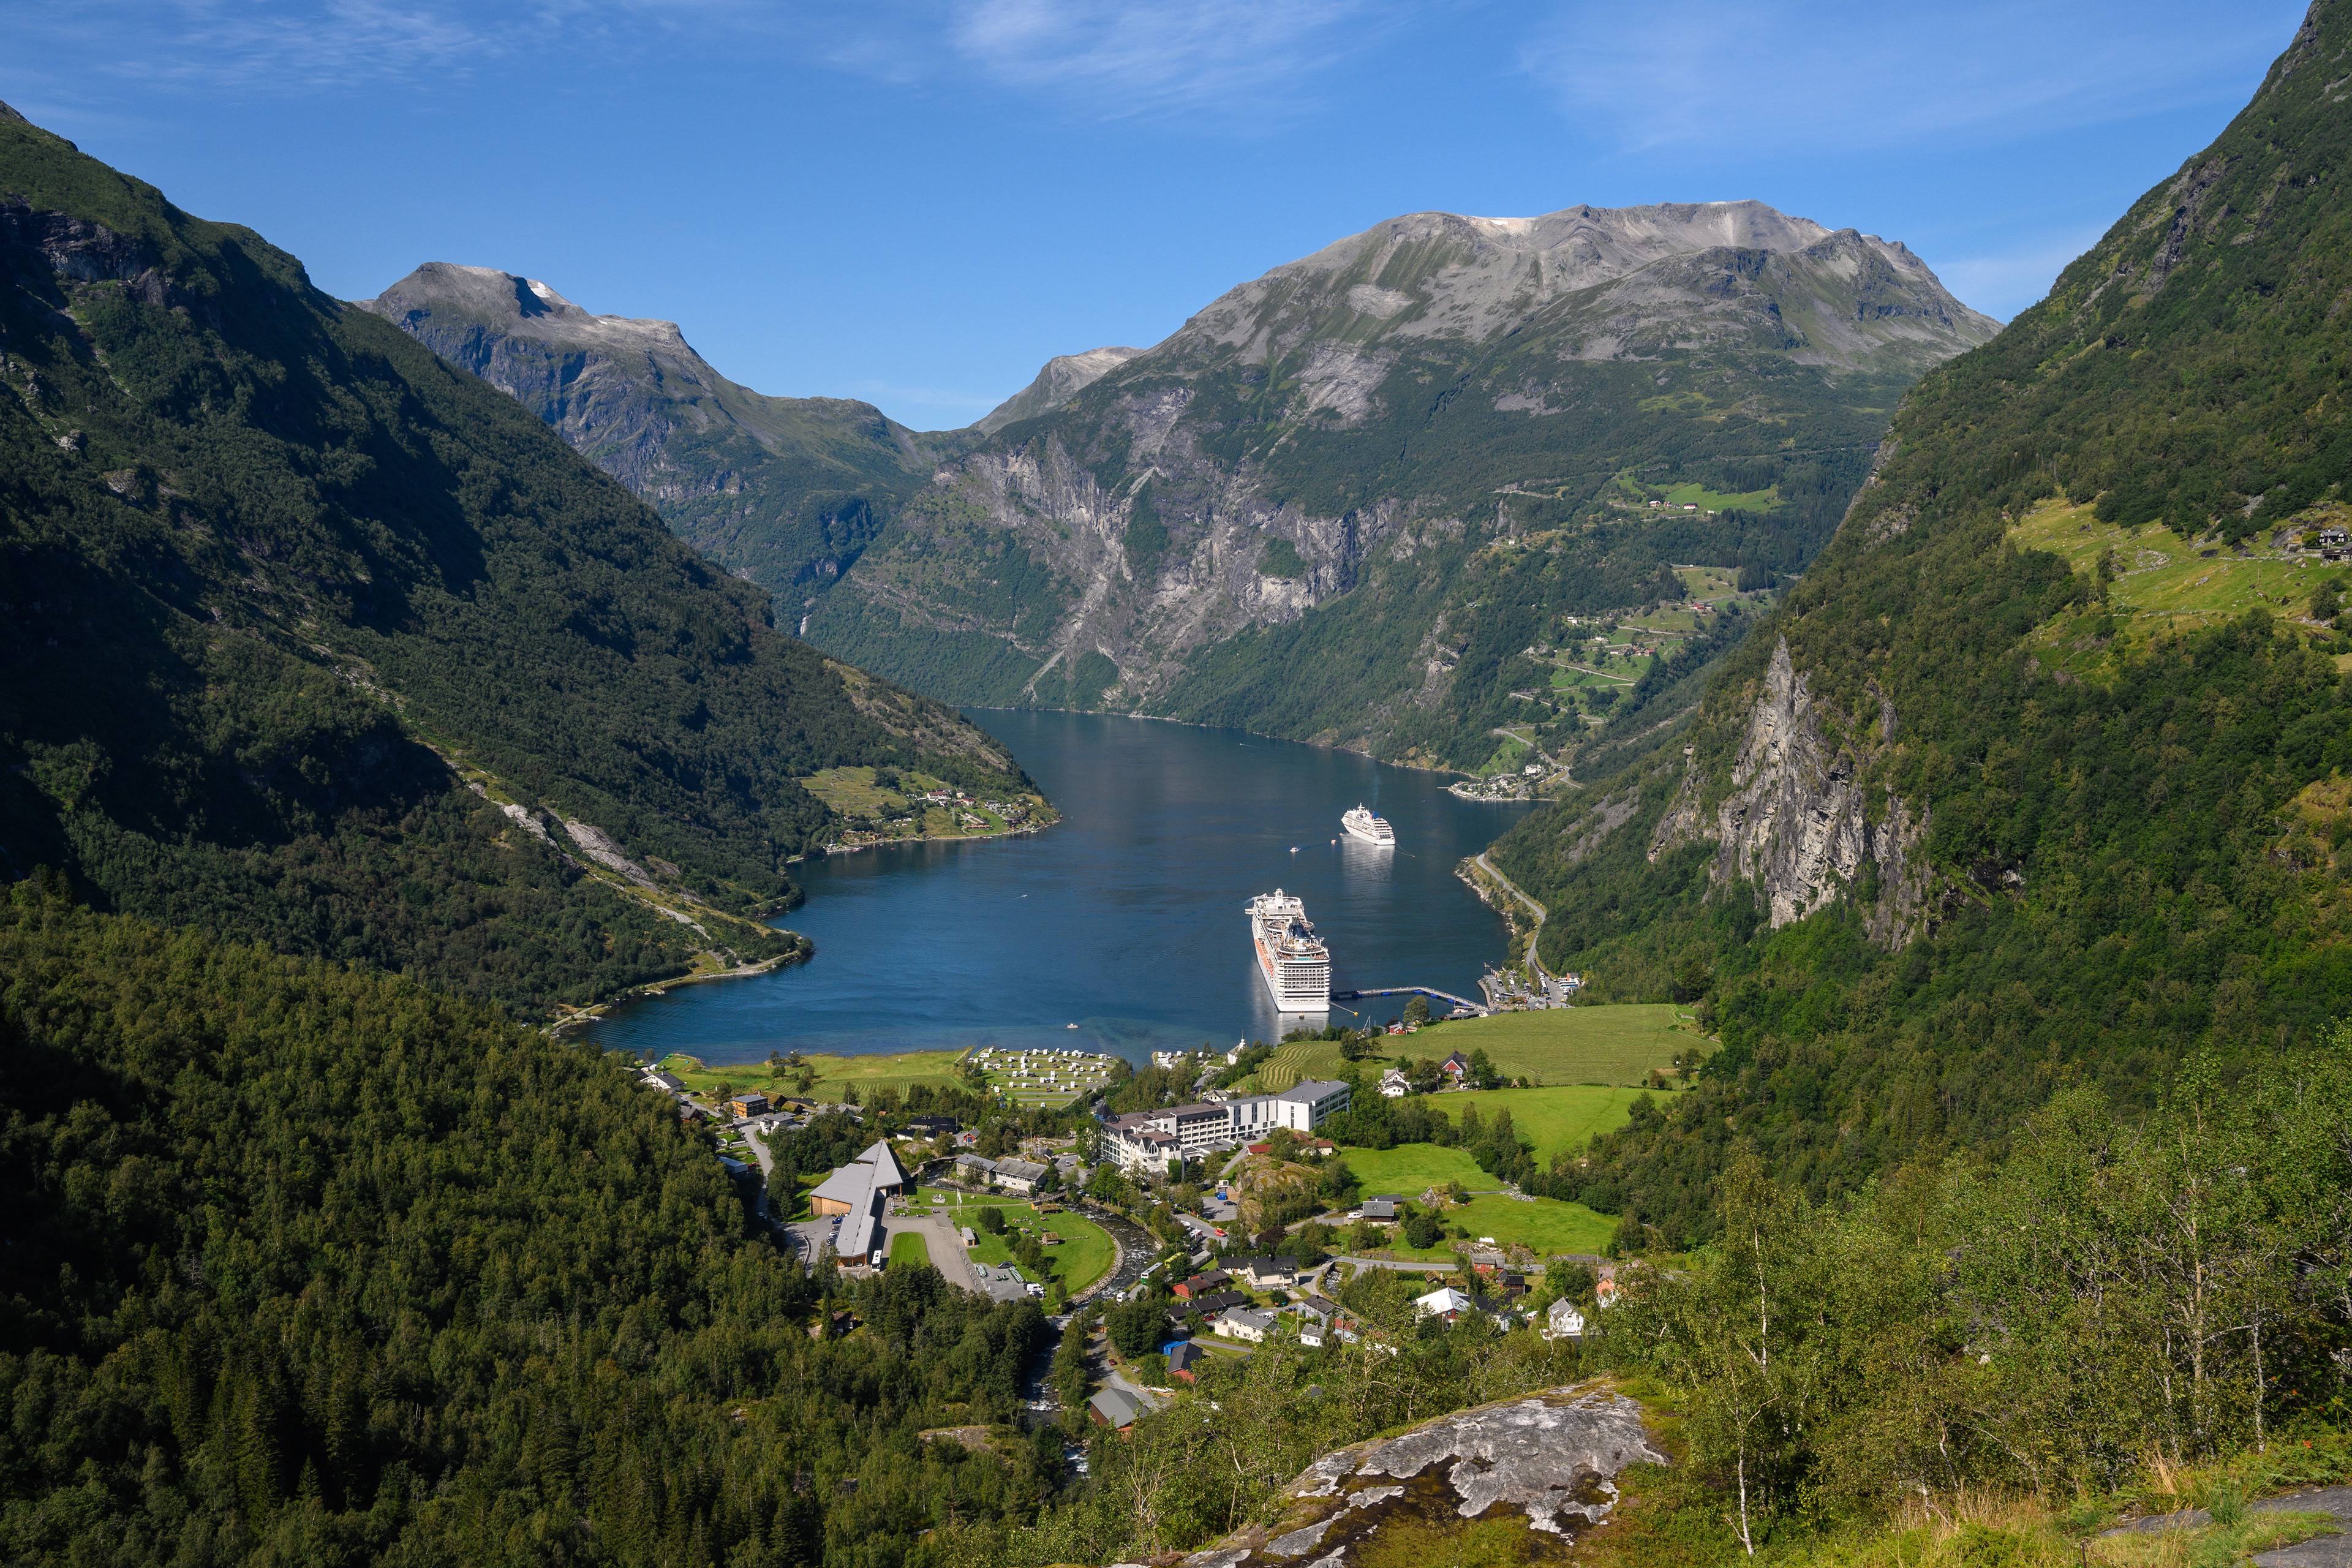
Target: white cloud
column 1121, row 57
column 1114, row 59
column 297, row 47
column 1775, row 74
column 273, row 47
column 1095, row 59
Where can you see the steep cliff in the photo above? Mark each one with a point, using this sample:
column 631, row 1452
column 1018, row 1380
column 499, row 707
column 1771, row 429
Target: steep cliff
column 1795, row 819
column 784, row 491
column 1402, row 461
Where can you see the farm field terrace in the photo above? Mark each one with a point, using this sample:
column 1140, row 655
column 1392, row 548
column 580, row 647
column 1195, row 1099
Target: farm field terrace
column 1559, row 1120
column 884, row 812
column 2164, row 581
column 1411, row 1169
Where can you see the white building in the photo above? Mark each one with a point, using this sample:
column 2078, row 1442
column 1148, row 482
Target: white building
column 1244, row 1323
column 1020, row 1175
column 1185, row 1131
column 1394, row 1085
column 1563, row 1321
column 1445, row 1302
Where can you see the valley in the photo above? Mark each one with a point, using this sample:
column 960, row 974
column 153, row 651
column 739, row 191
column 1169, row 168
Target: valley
column 1925, row 742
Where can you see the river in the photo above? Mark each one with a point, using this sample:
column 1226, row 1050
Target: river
column 1124, row 918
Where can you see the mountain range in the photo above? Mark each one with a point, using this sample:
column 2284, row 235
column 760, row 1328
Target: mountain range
column 1348, row 462
column 351, row 721
column 315, row 639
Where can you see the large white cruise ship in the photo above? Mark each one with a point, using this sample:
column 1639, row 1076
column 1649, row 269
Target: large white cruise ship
column 1295, row 963
column 1361, row 823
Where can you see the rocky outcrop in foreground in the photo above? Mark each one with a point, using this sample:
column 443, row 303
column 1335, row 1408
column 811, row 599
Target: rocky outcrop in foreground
column 1530, row 1474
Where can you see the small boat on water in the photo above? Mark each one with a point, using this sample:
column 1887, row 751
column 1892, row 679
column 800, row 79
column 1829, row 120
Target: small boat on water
column 1361, row 823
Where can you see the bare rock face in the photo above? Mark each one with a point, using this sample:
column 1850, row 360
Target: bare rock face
column 1795, row 819
column 1538, row 1471
column 784, row 491
column 1354, row 420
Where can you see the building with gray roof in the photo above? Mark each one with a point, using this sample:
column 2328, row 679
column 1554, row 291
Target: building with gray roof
column 860, row 1192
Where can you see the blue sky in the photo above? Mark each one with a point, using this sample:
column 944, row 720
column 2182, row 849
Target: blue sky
column 916, row 202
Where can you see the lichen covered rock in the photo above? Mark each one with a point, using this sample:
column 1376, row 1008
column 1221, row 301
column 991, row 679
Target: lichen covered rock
column 1515, row 1480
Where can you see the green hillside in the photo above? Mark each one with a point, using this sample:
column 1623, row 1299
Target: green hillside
column 2094, row 796
column 314, row 640
column 312, row 1266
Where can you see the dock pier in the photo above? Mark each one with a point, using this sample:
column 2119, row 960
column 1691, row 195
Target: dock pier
column 1478, row 1008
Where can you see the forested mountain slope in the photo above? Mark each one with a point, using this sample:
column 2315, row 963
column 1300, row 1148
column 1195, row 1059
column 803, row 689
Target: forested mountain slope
column 785, row 491
column 311, row 1266
column 2038, row 778
column 262, row 556
column 1347, row 498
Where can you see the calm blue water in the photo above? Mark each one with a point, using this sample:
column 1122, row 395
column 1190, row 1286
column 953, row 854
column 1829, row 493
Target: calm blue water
column 1125, row 919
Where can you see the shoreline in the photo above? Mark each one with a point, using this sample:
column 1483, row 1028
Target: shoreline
column 1237, row 728
column 597, row 1010
column 932, row 839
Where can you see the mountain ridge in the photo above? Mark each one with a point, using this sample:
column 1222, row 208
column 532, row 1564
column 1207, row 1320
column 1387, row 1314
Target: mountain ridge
column 320, row 641
column 1383, row 413
column 780, row 490
column 1060, row 379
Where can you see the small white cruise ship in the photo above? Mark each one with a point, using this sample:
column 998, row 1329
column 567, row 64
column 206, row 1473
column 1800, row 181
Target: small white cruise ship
column 1361, row 823
column 1295, row 963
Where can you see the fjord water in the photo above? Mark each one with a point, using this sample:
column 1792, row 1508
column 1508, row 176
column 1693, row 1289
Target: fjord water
column 1124, row 918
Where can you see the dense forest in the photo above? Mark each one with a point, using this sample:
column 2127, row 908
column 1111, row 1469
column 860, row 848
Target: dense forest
column 273, row 570
column 310, row 1264
column 2133, row 835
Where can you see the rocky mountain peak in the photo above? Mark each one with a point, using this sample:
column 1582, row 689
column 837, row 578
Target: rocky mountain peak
column 519, row 307
column 9, row 116
column 1447, row 275
column 1063, row 378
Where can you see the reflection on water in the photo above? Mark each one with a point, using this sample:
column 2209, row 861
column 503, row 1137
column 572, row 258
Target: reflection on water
column 1126, row 918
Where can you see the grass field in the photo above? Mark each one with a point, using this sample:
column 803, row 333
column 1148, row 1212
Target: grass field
column 1553, row 1120
column 1715, row 501
column 1084, row 1255
column 853, row 793
column 908, row 1249
column 1610, row 1046
column 1409, row 1169
column 834, row 1074
column 1544, row 1227
column 1707, row 582
column 2164, row 581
